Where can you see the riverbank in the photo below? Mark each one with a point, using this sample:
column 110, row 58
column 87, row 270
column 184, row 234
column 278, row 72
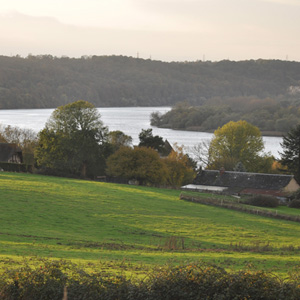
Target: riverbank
column 199, row 129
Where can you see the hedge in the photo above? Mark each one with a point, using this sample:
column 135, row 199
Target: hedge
column 61, row 280
column 13, row 167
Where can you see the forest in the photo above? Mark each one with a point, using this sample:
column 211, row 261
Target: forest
column 46, row 81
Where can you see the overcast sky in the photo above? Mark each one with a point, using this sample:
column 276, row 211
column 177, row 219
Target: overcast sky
column 168, row 30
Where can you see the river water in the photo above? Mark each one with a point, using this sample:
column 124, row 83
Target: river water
column 130, row 120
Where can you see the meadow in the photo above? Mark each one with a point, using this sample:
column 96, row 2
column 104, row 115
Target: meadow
column 133, row 228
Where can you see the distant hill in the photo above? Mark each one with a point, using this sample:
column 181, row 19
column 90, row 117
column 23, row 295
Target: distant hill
column 47, row 82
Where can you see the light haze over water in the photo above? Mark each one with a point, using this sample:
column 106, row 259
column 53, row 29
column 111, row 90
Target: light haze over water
column 130, row 120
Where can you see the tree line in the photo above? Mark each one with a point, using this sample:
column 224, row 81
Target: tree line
column 48, row 82
column 272, row 117
column 76, row 143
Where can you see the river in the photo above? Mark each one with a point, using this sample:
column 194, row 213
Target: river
column 130, row 120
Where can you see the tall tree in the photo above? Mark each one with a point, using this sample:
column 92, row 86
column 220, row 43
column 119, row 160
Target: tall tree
column 236, row 142
column 73, row 140
column 290, row 157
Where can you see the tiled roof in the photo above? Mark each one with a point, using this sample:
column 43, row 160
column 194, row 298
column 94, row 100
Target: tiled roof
column 243, row 180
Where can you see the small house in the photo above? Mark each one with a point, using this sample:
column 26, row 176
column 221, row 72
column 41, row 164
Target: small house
column 10, row 153
column 244, row 183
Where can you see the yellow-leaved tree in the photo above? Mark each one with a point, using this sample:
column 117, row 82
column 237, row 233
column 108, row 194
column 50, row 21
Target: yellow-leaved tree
column 180, row 168
column 238, row 143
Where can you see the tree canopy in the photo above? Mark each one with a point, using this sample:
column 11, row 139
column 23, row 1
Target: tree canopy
column 290, row 157
column 145, row 165
column 236, row 142
column 269, row 115
column 73, row 140
column 139, row 163
column 118, row 139
column 147, row 139
column 180, row 168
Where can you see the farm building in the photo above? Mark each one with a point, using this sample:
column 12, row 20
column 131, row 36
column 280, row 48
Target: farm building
column 230, row 182
column 10, row 153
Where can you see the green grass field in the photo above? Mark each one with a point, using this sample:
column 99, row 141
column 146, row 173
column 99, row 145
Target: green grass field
column 108, row 224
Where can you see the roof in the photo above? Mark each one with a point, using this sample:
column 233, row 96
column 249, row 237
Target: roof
column 7, row 151
column 242, row 180
column 166, row 149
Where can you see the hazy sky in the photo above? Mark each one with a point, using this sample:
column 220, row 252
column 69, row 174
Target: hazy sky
column 168, row 30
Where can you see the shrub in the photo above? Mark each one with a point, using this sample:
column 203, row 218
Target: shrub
column 295, row 203
column 14, row 167
column 198, row 281
column 189, row 282
column 296, row 195
column 263, row 201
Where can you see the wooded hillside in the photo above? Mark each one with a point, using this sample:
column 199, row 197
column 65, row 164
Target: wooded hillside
column 272, row 117
column 47, row 81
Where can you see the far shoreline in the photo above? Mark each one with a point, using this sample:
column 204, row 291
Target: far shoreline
column 197, row 129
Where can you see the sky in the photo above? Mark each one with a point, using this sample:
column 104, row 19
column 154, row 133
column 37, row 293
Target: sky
column 166, row 30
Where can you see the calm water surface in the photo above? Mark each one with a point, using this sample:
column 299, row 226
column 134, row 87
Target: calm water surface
column 130, row 120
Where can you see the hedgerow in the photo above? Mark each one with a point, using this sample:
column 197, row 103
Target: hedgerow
column 62, row 280
column 263, row 201
column 295, row 203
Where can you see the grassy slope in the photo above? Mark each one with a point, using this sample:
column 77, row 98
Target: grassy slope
column 56, row 217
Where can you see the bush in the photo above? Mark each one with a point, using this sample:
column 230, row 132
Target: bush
column 189, row 282
column 295, row 203
column 14, row 167
column 263, row 201
column 296, row 195
column 210, row 282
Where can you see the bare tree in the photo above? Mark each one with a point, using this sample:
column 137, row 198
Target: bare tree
column 26, row 139
column 200, row 153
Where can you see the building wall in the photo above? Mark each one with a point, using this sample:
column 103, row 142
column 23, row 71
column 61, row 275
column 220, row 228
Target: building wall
column 15, row 159
column 293, row 186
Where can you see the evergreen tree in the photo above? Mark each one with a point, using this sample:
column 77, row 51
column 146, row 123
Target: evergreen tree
column 147, row 139
column 290, row 157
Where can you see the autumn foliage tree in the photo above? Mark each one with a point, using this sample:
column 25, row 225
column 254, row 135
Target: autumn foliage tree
column 180, row 169
column 238, row 142
column 139, row 163
column 118, row 139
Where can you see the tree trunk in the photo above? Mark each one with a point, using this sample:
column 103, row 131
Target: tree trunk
column 83, row 170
